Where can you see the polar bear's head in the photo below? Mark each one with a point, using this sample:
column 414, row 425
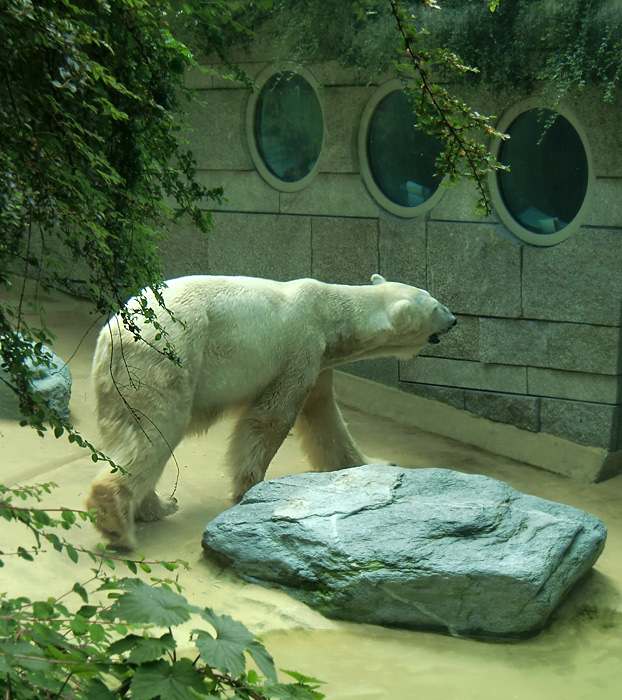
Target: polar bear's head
column 416, row 317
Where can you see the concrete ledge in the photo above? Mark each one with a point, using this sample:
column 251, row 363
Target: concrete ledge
column 555, row 454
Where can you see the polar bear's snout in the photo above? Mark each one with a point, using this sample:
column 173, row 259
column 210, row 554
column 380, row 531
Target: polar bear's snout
column 447, row 321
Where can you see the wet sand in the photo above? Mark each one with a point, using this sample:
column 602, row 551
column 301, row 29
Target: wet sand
column 577, row 658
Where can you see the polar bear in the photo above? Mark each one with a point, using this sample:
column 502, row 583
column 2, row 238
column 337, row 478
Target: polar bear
column 260, row 349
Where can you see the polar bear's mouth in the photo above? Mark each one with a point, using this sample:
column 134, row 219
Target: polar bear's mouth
column 434, row 339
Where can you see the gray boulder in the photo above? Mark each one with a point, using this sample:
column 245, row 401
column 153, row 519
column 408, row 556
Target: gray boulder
column 53, row 383
column 427, row 549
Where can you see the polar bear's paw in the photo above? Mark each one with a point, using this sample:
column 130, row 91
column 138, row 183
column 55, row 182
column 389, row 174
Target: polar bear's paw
column 153, row 507
column 113, row 505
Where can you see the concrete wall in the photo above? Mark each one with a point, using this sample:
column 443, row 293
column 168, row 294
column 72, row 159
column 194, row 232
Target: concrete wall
column 538, row 342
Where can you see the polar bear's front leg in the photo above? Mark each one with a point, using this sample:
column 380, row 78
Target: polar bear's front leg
column 322, row 432
column 261, row 430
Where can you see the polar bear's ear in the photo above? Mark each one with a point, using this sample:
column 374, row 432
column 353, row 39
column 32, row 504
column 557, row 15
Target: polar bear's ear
column 403, row 314
column 378, row 279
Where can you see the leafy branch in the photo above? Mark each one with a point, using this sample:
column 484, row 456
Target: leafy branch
column 123, row 642
column 441, row 114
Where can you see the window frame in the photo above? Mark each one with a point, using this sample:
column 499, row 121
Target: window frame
column 515, row 227
column 258, row 160
column 377, row 194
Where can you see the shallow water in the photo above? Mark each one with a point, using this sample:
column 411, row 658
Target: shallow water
column 579, row 663
column 578, row 657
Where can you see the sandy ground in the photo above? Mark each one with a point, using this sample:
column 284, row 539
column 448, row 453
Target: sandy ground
column 577, row 658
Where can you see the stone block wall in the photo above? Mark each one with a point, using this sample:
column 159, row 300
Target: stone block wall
column 543, row 352
column 538, row 340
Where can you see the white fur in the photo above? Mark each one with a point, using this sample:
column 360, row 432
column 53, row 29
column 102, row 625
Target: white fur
column 262, row 349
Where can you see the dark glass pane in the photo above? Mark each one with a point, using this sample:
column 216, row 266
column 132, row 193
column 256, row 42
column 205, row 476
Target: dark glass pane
column 401, row 159
column 288, row 126
column 548, row 176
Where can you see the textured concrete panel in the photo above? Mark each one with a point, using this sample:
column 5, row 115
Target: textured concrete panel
column 381, row 369
column 513, row 342
column 225, row 78
column 450, row 396
column 578, row 386
column 514, row 409
column 345, row 251
column 402, row 247
column 272, row 246
column 586, row 423
column 185, row 251
column 578, row 280
column 459, row 204
column 218, row 136
column 331, row 195
column 469, row 375
column 333, row 73
column 342, row 109
column 462, row 343
column 474, row 269
column 199, row 77
column 602, row 129
column 606, row 207
column 521, row 411
column 583, row 348
column 568, row 346
column 244, row 190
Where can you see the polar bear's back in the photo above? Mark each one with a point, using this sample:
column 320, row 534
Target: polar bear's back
column 237, row 334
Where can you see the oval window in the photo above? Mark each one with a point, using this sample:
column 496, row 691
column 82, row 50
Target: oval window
column 398, row 161
column 542, row 197
column 286, row 128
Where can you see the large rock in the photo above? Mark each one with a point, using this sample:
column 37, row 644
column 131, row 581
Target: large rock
column 430, row 549
column 53, row 382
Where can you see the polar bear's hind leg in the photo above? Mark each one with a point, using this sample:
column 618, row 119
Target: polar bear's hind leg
column 154, row 507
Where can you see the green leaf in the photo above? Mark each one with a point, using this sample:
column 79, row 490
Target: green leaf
column 97, row 633
column 42, row 610
column 225, row 655
column 302, row 690
column 143, row 604
column 54, row 540
column 71, row 553
column 226, row 651
column 143, row 649
column 87, row 611
column 122, row 645
column 96, row 690
column 300, row 677
column 160, row 679
column 30, row 656
column 81, row 591
column 79, row 625
column 68, row 516
column 291, row 691
column 24, row 554
column 263, row 659
column 151, row 649
column 131, row 565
